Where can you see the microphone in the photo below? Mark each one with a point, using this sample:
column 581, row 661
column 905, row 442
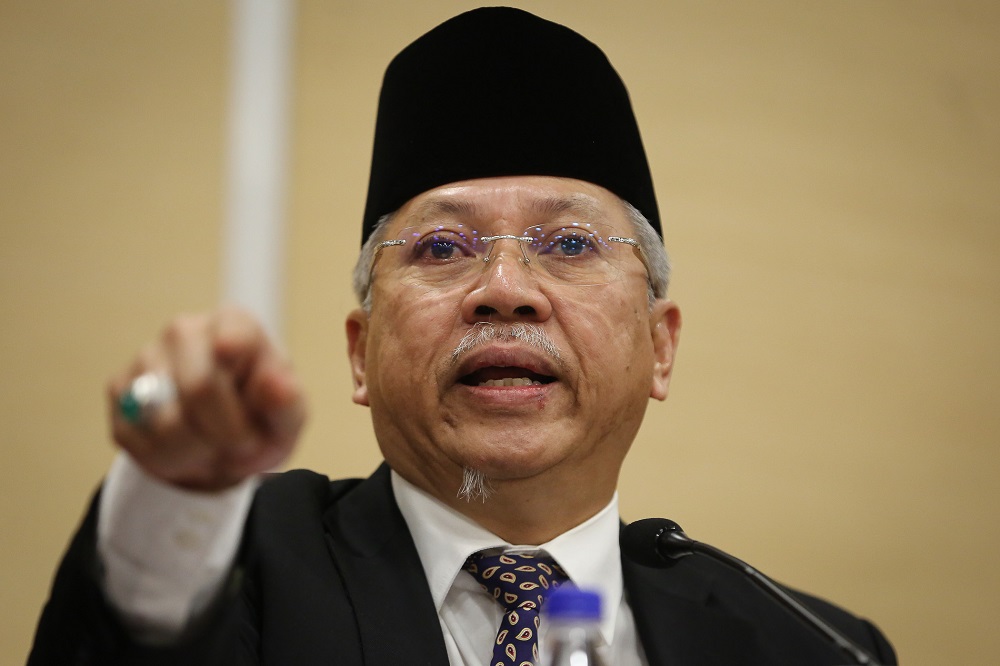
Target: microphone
column 660, row 543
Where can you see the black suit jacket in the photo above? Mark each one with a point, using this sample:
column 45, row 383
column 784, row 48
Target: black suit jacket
column 328, row 574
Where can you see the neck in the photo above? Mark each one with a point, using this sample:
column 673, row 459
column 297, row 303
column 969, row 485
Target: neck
column 528, row 511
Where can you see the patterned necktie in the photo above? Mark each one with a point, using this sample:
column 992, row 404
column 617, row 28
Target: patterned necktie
column 520, row 583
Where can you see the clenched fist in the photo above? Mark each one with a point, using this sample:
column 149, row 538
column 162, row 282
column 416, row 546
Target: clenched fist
column 238, row 411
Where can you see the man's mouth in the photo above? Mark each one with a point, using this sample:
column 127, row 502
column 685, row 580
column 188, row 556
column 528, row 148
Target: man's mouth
column 505, row 376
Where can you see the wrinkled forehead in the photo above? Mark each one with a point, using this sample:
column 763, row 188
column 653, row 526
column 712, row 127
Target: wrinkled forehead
column 515, row 203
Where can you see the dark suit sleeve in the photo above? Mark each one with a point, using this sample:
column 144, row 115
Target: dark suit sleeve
column 80, row 628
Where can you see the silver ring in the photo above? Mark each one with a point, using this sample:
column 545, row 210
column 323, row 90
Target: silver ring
column 147, row 393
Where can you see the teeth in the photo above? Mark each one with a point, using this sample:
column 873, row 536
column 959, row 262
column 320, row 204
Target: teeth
column 510, row 381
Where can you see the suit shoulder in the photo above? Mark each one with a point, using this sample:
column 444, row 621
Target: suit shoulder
column 289, row 498
column 734, row 587
column 729, row 599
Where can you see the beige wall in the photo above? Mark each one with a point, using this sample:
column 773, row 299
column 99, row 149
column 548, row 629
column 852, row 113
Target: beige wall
column 828, row 174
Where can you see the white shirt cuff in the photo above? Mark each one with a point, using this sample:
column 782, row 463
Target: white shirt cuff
column 166, row 551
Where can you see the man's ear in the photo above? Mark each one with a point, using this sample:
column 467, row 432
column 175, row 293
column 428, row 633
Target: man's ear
column 665, row 327
column 357, row 345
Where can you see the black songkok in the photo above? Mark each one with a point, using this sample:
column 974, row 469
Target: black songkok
column 500, row 92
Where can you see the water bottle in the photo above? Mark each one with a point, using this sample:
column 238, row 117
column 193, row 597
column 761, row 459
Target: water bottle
column 574, row 618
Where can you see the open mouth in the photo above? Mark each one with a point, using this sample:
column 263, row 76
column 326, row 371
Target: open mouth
column 505, row 376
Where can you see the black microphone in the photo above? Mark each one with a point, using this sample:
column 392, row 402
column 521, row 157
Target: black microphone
column 658, row 542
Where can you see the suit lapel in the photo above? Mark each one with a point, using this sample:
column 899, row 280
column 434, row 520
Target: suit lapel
column 374, row 552
column 676, row 618
column 677, row 621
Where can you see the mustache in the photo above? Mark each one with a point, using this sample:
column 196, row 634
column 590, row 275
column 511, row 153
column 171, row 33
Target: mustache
column 484, row 332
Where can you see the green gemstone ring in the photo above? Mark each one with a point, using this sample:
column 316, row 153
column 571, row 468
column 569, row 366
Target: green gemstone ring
column 147, row 393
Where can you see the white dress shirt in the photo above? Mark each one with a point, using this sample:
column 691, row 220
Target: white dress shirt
column 470, row 618
column 166, row 553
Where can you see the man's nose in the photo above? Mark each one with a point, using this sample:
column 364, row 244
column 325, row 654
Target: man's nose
column 507, row 288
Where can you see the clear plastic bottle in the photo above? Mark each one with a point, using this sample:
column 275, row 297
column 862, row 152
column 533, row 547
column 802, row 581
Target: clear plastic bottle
column 574, row 618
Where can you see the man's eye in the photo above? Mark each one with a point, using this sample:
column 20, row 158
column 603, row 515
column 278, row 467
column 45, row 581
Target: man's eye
column 442, row 249
column 572, row 246
column 567, row 244
column 442, row 246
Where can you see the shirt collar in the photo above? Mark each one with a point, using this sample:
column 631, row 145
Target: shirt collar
column 444, row 538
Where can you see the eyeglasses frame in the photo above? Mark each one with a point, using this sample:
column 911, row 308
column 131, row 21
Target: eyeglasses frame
column 636, row 247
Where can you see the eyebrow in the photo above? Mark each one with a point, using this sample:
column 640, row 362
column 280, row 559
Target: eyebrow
column 580, row 204
column 437, row 207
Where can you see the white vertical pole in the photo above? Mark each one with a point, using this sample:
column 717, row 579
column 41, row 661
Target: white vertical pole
column 257, row 158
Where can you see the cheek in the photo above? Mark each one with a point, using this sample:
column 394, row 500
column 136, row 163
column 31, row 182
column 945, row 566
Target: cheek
column 607, row 332
column 414, row 331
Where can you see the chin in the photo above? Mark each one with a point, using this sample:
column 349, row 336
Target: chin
column 511, row 460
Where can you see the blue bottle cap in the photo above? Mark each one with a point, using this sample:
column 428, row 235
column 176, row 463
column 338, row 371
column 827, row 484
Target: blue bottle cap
column 569, row 602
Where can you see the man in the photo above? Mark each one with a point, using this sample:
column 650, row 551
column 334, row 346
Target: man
column 514, row 324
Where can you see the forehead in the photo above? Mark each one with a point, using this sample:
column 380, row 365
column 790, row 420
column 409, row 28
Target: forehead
column 514, row 201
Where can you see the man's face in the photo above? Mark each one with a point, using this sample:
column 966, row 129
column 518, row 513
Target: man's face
column 435, row 414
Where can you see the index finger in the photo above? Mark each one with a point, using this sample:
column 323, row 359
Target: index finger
column 239, row 342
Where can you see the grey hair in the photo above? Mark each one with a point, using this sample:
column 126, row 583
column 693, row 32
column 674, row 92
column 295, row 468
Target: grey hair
column 650, row 245
column 362, row 276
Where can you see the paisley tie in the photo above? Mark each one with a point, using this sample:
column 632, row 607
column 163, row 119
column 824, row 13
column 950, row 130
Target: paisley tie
column 520, row 583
